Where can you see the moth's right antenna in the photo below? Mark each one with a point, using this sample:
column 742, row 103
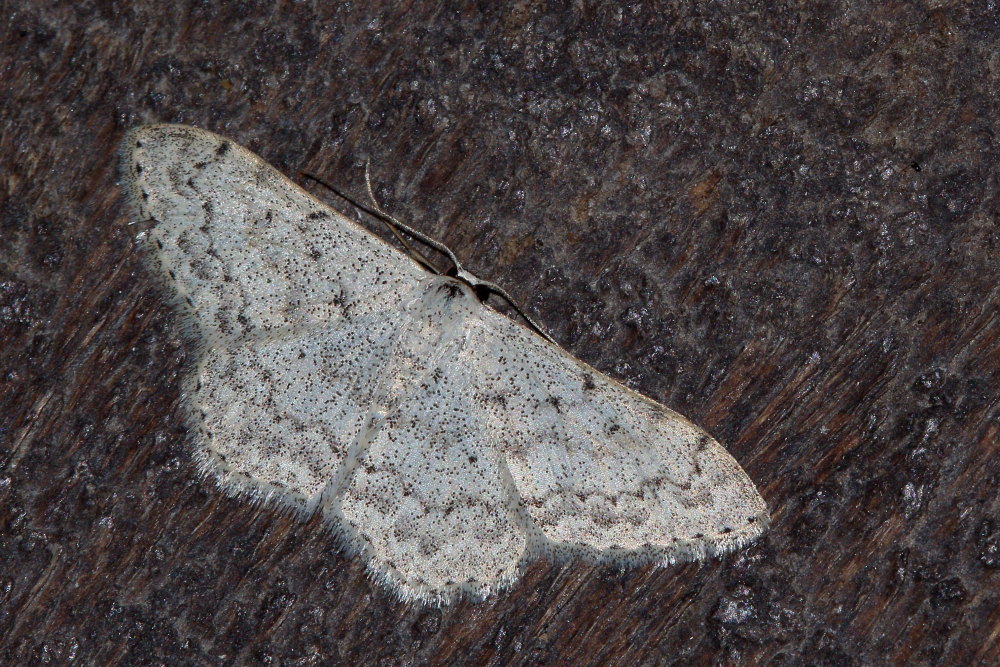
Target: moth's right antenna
column 395, row 226
column 493, row 288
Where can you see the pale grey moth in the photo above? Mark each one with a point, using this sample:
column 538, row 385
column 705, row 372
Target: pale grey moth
column 444, row 443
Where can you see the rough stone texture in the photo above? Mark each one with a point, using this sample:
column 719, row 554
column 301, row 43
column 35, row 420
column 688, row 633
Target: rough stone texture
column 779, row 219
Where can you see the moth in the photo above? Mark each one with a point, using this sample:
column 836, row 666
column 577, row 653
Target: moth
column 442, row 442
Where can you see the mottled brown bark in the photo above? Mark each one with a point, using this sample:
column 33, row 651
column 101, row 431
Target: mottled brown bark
column 780, row 220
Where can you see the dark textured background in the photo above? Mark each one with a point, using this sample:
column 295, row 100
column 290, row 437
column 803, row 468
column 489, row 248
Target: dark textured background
column 779, row 219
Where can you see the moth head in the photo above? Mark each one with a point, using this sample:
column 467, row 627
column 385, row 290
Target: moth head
column 479, row 287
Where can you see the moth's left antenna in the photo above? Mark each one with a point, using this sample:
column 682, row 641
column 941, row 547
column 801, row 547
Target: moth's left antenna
column 395, row 226
column 389, row 221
